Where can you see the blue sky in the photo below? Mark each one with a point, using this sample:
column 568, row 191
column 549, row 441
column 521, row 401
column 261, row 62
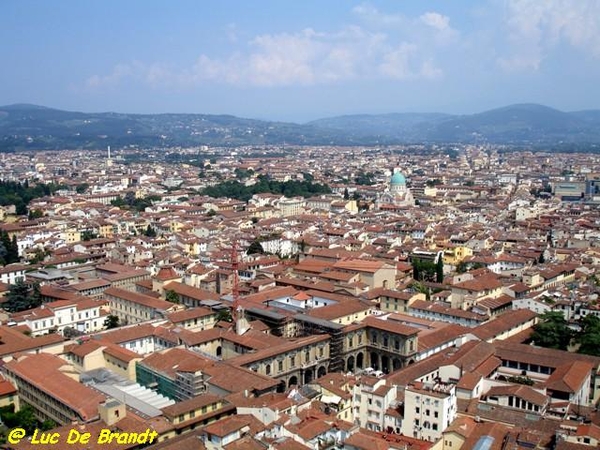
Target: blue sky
column 299, row 60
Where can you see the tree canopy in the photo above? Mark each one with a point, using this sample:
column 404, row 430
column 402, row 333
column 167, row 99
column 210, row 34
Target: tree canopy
column 254, row 248
column 292, row 188
column 589, row 336
column 9, row 250
column 20, row 194
column 552, row 331
column 21, row 297
column 111, row 321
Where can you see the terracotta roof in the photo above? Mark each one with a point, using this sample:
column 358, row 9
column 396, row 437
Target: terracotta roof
column 336, row 311
column 175, row 360
column 569, row 377
column 191, row 404
column 43, row 371
column 518, row 390
column 503, row 323
column 188, row 314
column 141, row 299
column 391, row 326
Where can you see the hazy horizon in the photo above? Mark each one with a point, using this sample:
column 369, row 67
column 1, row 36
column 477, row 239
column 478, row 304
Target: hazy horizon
column 300, row 61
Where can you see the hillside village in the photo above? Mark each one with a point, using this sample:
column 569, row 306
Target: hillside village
column 395, row 309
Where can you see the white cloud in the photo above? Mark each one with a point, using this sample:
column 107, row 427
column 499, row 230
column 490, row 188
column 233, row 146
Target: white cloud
column 406, row 50
column 536, row 27
column 373, row 16
column 119, row 72
column 436, row 20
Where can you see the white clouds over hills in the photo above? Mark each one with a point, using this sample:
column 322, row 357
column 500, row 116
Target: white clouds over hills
column 381, row 46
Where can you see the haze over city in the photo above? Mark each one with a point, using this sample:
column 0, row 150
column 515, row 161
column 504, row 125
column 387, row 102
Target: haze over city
column 299, row 61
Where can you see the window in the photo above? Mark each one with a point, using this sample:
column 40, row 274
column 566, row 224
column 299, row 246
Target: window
column 280, row 366
column 374, row 337
column 268, row 369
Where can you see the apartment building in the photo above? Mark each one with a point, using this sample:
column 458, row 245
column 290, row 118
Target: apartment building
column 131, row 307
column 84, row 316
column 50, row 386
column 429, row 408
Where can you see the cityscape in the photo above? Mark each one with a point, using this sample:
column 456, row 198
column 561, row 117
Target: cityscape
column 296, row 226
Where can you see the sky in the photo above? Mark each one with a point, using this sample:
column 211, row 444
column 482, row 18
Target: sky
column 296, row 60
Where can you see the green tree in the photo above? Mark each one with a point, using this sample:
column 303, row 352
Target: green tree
column 48, row 424
column 111, row 321
column 255, row 248
column 552, row 331
column 21, row 297
column 88, row 235
column 346, row 194
column 81, row 188
column 224, row 315
column 24, row 418
column 150, row 231
column 172, row 296
column 589, row 336
column 423, row 270
column 439, row 270
column 9, row 252
column 35, row 214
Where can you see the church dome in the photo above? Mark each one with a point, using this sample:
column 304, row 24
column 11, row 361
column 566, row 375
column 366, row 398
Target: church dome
column 397, row 179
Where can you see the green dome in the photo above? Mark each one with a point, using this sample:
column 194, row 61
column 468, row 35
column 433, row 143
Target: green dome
column 397, row 178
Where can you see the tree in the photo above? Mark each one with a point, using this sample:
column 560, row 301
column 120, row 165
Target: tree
column 589, row 336
column 172, row 296
column 111, row 321
column 88, row 235
column 35, row 214
column 346, row 194
column 224, row 315
column 255, row 248
column 9, row 252
column 439, row 270
column 424, row 270
column 81, row 188
column 24, row 418
column 150, row 232
column 21, row 297
column 552, row 331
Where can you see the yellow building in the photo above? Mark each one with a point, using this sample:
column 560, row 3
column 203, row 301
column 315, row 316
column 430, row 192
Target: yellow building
column 455, row 255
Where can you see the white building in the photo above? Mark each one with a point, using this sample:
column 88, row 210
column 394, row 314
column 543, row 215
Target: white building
column 429, row 408
column 372, row 399
column 85, row 316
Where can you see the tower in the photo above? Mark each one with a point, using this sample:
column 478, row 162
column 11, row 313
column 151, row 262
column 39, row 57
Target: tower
column 108, row 159
column 239, row 319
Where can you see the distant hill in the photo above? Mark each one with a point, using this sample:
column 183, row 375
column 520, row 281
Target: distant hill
column 514, row 124
column 34, row 127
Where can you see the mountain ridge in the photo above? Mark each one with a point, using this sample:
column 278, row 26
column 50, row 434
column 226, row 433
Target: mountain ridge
column 25, row 126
